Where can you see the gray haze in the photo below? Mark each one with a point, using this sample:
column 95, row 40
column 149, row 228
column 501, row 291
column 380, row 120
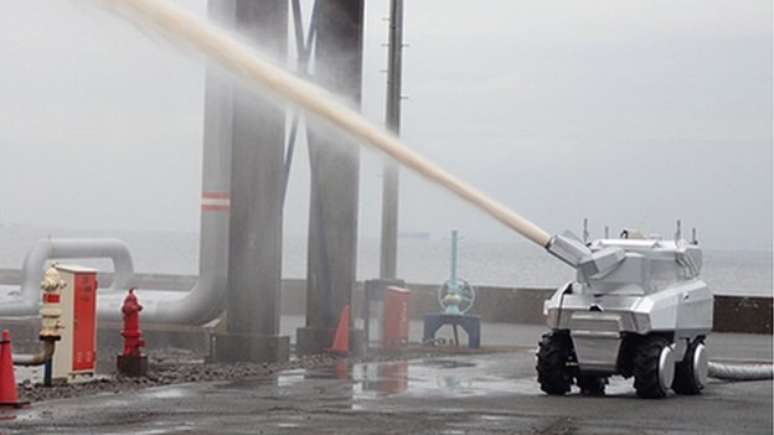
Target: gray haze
column 630, row 113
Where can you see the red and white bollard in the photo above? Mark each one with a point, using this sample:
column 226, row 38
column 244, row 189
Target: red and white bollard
column 132, row 362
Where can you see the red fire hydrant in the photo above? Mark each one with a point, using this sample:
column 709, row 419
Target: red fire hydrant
column 132, row 362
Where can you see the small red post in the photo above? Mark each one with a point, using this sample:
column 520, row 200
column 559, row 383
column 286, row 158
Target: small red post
column 396, row 318
column 132, row 362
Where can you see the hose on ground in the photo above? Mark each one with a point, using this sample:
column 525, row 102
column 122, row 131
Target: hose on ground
column 740, row 372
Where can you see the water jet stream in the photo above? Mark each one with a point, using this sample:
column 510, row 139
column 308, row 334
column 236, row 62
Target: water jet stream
column 242, row 61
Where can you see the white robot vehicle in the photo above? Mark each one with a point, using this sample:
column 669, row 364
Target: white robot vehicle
column 637, row 309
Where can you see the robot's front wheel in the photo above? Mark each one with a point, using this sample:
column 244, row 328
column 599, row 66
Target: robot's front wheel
column 553, row 354
column 654, row 368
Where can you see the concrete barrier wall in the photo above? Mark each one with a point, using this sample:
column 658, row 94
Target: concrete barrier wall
column 743, row 314
column 494, row 304
column 525, row 305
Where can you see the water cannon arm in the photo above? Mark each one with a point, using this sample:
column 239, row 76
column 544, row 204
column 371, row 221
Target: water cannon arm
column 568, row 248
column 571, row 250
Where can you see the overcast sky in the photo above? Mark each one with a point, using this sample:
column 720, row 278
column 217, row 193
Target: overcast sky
column 630, row 113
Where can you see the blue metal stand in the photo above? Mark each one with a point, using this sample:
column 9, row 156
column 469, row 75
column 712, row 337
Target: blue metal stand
column 456, row 297
column 470, row 324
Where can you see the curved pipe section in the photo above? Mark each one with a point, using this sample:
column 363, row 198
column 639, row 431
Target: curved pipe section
column 741, row 372
column 37, row 359
column 205, row 301
column 29, row 301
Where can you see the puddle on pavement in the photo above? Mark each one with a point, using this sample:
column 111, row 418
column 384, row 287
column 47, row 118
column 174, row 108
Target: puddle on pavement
column 167, row 393
column 430, row 378
column 486, row 417
column 446, row 363
column 447, row 377
column 437, row 377
column 164, row 430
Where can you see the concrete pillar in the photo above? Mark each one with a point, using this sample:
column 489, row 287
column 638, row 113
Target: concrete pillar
column 255, row 241
column 334, row 178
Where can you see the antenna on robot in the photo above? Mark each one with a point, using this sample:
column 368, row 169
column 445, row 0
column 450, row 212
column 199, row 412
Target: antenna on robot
column 679, row 231
column 586, row 230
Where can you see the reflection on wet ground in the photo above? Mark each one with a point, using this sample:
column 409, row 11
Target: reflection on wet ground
column 428, row 378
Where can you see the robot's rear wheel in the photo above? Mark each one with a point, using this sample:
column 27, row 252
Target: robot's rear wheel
column 654, row 367
column 553, row 354
column 691, row 372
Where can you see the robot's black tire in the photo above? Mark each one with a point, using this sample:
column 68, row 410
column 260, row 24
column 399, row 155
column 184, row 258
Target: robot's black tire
column 553, row 353
column 646, row 367
column 685, row 379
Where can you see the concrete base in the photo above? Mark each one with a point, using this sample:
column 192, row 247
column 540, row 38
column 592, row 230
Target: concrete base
column 134, row 366
column 157, row 337
column 311, row 341
column 471, row 325
column 250, row 348
column 357, row 343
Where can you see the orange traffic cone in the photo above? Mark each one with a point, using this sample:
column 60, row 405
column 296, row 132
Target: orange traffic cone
column 341, row 341
column 8, row 394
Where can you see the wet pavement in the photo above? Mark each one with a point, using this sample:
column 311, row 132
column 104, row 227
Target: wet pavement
column 448, row 394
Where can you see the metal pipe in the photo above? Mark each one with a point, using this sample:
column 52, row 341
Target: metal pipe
column 37, row 359
column 204, row 302
column 29, row 301
column 391, row 180
column 200, row 305
column 454, row 247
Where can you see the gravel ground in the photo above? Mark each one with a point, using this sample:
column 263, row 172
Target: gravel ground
column 179, row 366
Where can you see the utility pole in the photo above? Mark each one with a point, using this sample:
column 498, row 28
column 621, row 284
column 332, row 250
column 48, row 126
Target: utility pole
column 390, row 180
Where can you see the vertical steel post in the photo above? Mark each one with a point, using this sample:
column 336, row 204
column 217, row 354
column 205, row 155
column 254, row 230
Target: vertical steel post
column 390, row 180
column 335, row 167
column 257, row 184
column 454, row 290
column 453, row 272
column 47, row 371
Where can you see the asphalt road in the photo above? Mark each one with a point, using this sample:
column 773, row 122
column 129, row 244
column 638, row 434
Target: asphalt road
column 456, row 394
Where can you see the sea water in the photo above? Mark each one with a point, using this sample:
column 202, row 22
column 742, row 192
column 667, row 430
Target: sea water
column 517, row 264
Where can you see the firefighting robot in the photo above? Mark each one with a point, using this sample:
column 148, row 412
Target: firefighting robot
column 637, row 309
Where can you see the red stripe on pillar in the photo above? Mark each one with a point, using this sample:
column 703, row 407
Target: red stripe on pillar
column 207, row 207
column 215, row 195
